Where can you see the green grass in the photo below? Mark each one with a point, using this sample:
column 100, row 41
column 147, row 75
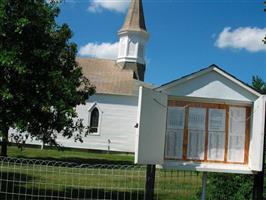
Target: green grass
column 93, row 182
column 71, row 155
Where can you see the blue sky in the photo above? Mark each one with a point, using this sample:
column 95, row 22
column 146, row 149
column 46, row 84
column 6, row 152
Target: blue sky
column 185, row 35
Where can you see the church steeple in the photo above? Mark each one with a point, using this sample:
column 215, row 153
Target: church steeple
column 135, row 18
column 132, row 39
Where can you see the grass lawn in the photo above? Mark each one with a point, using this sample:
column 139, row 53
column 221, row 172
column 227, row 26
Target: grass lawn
column 110, row 181
column 71, row 155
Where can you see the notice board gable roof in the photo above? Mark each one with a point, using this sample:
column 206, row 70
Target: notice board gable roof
column 204, row 71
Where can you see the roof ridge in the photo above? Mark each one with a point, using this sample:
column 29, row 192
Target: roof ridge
column 182, row 77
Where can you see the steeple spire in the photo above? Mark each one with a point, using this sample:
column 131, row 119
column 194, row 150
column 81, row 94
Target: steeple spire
column 135, row 18
column 132, row 39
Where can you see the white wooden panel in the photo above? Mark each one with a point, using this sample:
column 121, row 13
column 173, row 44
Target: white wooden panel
column 170, row 145
column 236, row 138
column 216, row 136
column 174, row 143
column 257, row 135
column 175, row 117
column 150, row 137
column 175, row 132
column 196, row 133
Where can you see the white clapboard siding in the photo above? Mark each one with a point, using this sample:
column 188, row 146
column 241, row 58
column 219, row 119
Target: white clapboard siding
column 117, row 119
column 118, row 116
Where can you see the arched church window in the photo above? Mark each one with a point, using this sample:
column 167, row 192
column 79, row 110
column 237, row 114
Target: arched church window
column 94, row 120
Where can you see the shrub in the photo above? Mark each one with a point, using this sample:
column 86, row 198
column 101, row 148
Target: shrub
column 229, row 186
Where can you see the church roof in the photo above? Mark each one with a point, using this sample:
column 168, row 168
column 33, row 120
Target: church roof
column 135, row 18
column 110, row 78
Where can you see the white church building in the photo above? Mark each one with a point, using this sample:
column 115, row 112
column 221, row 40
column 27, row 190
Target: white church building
column 112, row 112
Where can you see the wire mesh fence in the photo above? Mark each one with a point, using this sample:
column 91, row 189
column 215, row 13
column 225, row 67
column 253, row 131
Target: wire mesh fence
column 177, row 185
column 23, row 179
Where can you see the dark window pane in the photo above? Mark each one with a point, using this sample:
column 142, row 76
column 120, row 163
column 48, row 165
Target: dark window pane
column 94, row 122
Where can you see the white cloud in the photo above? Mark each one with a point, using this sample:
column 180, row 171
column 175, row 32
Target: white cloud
column 248, row 38
column 103, row 50
column 112, row 5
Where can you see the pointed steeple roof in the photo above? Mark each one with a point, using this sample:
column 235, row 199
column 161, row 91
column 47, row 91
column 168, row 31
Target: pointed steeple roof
column 135, row 18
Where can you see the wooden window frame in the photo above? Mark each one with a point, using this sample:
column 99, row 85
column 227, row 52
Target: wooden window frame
column 207, row 106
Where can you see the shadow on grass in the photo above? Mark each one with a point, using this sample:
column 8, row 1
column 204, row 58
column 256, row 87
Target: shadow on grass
column 14, row 186
column 76, row 160
column 70, row 193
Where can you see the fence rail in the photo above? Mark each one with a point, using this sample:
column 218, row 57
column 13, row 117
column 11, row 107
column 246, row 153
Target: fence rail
column 27, row 179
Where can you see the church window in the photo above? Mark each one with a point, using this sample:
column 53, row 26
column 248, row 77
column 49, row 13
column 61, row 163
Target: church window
column 94, row 120
column 132, row 48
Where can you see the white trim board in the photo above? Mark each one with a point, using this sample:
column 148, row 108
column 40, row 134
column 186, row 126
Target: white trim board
column 207, row 167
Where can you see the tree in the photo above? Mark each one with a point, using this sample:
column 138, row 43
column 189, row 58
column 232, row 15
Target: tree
column 259, row 84
column 40, row 81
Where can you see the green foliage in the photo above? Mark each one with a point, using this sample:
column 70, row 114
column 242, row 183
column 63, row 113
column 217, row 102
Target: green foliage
column 40, row 81
column 229, row 187
column 259, row 84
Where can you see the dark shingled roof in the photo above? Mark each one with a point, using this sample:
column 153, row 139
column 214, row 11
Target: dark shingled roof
column 109, row 78
column 135, row 18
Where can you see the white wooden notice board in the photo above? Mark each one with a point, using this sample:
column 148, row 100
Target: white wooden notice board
column 199, row 136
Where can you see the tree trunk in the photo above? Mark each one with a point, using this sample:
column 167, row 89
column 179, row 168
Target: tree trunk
column 4, row 142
